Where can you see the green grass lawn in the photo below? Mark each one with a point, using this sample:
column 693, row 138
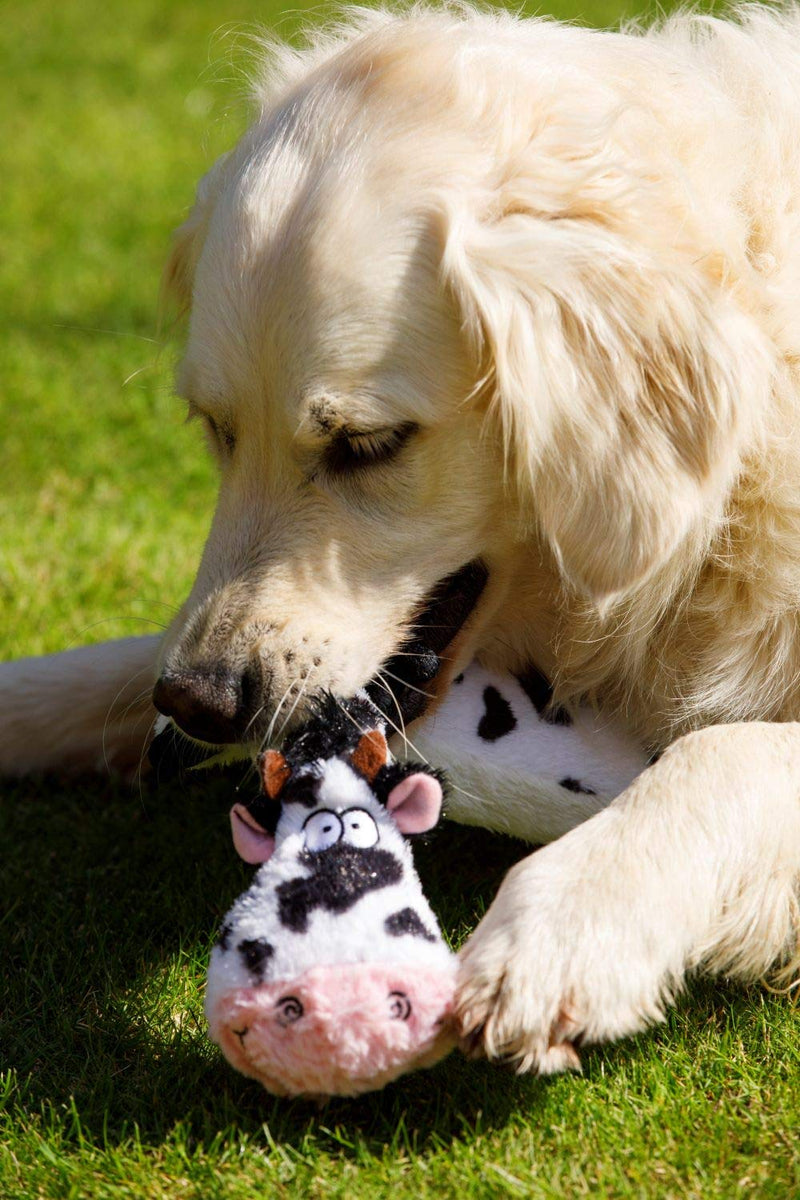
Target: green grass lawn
column 111, row 894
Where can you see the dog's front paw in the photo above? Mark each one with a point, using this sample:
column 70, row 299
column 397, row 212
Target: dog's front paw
column 558, row 959
column 510, row 1004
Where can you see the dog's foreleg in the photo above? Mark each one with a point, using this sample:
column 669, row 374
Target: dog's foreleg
column 695, row 865
column 87, row 709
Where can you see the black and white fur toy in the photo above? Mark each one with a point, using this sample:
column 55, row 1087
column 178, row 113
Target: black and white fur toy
column 331, row 975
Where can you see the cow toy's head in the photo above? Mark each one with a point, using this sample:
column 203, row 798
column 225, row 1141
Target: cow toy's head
column 331, row 976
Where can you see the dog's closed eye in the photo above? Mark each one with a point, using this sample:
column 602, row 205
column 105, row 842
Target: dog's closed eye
column 222, row 439
column 352, row 451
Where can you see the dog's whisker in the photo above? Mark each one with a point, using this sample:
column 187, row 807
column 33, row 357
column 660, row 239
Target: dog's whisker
column 397, row 679
column 470, row 795
column 108, row 332
column 402, row 732
column 424, row 625
column 138, row 775
column 137, row 699
column 454, row 786
column 407, row 740
column 104, row 621
column 273, row 720
column 140, row 371
column 253, row 720
column 379, row 676
column 110, row 710
column 173, row 608
column 298, row 698
column 349, row 716
column 404, row 654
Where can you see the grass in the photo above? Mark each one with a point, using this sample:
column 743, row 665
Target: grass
column 111, row 894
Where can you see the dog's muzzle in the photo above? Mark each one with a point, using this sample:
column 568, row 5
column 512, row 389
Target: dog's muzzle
column 209, row 704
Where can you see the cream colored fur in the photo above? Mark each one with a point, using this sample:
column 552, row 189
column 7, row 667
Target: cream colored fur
column 572, row 259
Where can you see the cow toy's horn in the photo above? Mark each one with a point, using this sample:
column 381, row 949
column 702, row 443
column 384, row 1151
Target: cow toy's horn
column 370, row 754
column 274, row 772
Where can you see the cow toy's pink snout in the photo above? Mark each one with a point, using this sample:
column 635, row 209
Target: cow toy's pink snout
column 337, row 1030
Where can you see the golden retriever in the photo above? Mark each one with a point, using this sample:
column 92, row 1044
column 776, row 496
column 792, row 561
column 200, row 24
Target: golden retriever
column 479, row 289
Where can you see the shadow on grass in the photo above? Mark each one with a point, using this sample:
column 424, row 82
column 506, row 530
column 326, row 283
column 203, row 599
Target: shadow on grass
column 114, row 899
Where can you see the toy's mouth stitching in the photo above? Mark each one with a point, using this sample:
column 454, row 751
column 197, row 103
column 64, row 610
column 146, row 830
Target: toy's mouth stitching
column 241, row 1033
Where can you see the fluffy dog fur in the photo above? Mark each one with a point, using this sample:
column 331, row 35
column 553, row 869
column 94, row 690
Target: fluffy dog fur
column 568, row 262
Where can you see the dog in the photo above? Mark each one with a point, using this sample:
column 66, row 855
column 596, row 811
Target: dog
column 474, row 289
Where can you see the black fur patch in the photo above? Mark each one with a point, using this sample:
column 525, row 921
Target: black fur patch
column 265, row 812
column 333, row 728
column 459, row 678
column 302, row 789
column 498, row 719
column 256, row 953
column 407, row 921
column 447, row 607
column 224, row 937
column 449, row 604
column 332, row 731
column 340, row 876
column 574, row 785
column 389, row 776
column 538, row 690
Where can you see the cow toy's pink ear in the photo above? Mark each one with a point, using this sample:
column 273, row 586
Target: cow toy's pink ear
column 415, row 803
column 252, row 843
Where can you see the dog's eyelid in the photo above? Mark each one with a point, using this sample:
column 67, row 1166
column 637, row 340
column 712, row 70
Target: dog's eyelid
column 355, row 449
column 384, row 433
column 222, row 434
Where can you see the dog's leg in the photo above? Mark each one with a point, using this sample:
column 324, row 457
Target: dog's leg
column 87, row 709
column 695, row 865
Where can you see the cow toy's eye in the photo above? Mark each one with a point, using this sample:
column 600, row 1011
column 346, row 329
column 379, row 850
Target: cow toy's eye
column 359, row 828
column 322, row 829
column 289, row 1009
column 399, row 1006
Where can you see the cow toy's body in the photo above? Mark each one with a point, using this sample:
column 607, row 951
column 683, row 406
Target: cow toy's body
column 331, row 975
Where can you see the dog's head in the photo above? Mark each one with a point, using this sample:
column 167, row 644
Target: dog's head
column 436, row 317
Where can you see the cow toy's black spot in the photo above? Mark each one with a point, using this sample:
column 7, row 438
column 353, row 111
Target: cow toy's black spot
column 256, row 953
column 339, row 877
column 407, row 921
column 392, row 773
column 538, row 690
column 333, row 729
column 574, row 785
column 265, row 812
column 498, row 719
column 223, row 937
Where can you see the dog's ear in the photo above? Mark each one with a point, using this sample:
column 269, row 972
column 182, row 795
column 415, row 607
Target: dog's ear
column 625, row 386
column 177, row 278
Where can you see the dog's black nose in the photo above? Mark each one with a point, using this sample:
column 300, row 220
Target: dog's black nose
column 206, row 703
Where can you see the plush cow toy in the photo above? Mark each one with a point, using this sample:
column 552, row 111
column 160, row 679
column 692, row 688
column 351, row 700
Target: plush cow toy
column 331, row 976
